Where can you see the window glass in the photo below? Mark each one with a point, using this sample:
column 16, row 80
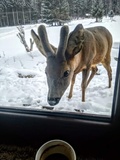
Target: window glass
column 23, row 81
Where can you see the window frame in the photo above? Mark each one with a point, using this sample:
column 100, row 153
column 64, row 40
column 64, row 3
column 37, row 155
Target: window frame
column 116, row 100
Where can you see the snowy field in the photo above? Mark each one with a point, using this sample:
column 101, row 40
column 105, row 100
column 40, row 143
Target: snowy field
column 23, row 80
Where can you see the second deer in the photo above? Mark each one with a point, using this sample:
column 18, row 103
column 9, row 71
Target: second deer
column 79, row 51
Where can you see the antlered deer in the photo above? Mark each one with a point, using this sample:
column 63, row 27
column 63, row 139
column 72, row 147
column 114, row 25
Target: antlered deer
column 79, row 51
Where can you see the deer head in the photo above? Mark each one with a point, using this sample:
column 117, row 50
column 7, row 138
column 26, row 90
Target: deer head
column 57, row 70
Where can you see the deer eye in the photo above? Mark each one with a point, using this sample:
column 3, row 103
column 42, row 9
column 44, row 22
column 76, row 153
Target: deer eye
column 66, row 73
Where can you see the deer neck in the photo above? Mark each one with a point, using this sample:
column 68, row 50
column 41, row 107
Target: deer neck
column 76, row 63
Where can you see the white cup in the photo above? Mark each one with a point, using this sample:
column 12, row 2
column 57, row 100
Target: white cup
column 55, row 147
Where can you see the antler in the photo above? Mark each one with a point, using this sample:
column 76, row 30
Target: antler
column 38, row 42
column 46, row 48
column 39, row 45
column 44, row 40
column 63, row 43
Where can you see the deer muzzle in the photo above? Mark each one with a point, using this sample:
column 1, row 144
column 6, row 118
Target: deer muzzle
column 53, row 101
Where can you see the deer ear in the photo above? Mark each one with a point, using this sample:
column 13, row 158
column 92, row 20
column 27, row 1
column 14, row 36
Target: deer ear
column 78, row 27
column 78, row 36
column 75, row 41
column 78, row 40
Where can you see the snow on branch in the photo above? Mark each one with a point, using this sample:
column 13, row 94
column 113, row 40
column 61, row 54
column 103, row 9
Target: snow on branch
column 21, row 36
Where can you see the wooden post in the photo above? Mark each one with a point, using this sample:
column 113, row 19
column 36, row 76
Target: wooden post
column 23, row 15
column 13, row 17
column 30, row 15
column 17, row 18
column 7, row 18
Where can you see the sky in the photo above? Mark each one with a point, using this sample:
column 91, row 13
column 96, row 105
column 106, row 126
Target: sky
column 22, row 74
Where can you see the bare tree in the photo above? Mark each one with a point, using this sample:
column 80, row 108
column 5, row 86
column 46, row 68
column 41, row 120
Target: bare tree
column 21, row 36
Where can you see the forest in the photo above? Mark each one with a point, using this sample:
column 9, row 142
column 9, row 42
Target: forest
column 53, row 12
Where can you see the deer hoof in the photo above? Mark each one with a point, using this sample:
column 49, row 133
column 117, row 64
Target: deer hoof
column 70, row 96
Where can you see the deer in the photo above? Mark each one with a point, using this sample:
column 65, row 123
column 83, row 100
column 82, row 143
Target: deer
column 81, row 50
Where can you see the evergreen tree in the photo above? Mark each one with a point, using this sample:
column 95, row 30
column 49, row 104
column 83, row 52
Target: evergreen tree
column 79, row 8
column 63, row 10
column 71, row 8
column 87, row 7
column 76, row 8
column 97, row 10
column 55, row 11
column 76, row 5
column 117, row 7
column 14, row 12
column 2, row 6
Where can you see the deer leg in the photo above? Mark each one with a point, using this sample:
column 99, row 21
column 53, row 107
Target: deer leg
column 71, row 87
column 93, row 72
column 85, row 75
column 109, row 72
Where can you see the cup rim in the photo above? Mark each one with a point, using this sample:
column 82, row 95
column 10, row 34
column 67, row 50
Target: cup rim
column 41, row 149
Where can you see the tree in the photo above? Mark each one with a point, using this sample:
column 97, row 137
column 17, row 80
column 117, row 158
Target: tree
column 76, row 8
column 21, row 36
column 55, row 12
column 97, row 10
column 87, row 6
column 117, row 7
column 79, row 8
column 63, row 10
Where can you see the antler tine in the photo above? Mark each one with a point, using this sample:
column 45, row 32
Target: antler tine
column 44, row 40
column 63, row 43
column 38, row 42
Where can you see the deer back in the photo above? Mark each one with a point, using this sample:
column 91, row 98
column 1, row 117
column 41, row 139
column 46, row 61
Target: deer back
column 88, row 46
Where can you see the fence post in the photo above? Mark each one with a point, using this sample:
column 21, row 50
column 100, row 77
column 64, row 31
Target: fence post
column 13, row 17
column 23, row 15
column 17, row 18
column 7, row 19
column 30, row 15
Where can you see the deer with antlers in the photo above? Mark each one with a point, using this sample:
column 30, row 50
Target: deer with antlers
column 79, row 51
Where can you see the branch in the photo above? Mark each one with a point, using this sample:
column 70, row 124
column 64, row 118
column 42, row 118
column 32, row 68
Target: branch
column 31, row 44
column 21, row 36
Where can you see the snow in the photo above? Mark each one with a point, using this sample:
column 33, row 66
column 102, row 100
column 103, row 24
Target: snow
column 22, row 75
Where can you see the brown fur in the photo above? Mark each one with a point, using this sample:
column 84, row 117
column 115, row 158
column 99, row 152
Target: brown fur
column 96, row 47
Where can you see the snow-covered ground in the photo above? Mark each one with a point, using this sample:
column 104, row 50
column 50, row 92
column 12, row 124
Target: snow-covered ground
column 23, row 80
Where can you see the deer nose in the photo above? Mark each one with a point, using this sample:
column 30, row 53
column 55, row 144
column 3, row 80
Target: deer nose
column 53, row 101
